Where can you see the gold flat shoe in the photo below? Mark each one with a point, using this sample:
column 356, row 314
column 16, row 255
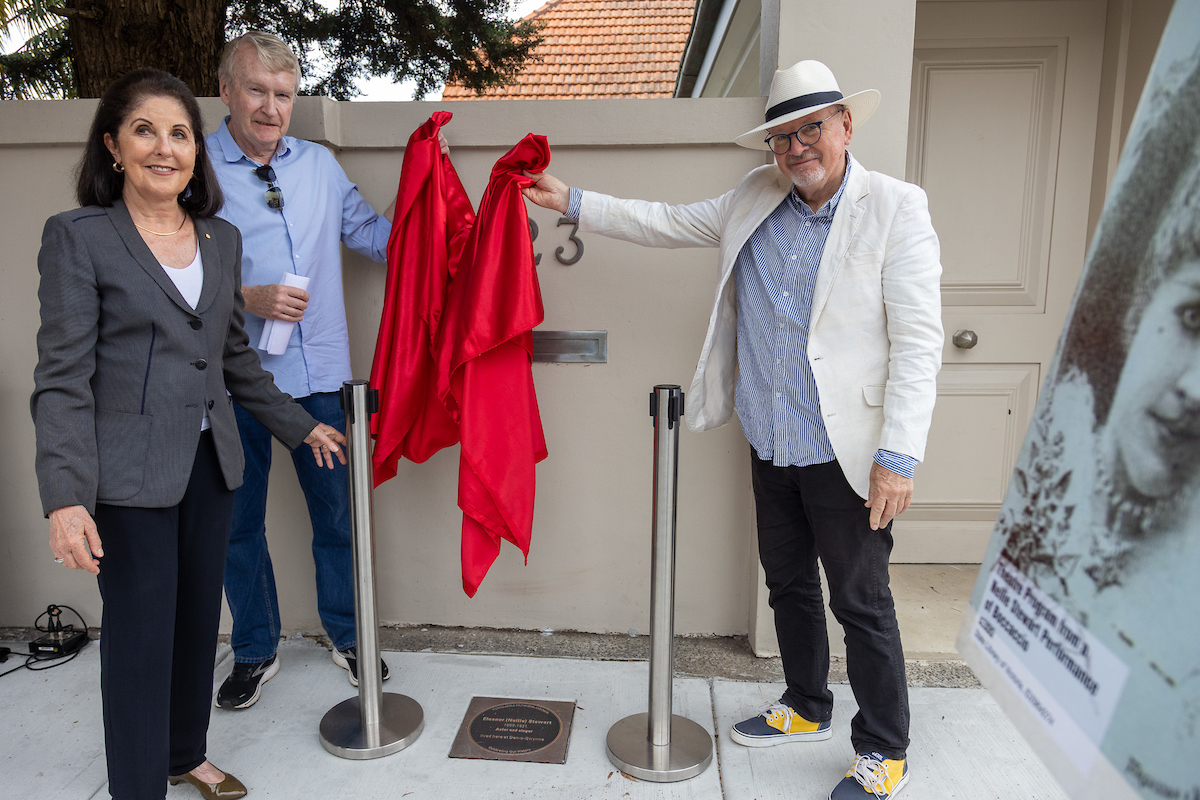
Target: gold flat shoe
column 227, row 789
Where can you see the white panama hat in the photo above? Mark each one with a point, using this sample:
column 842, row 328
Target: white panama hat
column 800, row 90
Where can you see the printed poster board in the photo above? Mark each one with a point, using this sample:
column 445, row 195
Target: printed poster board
column 1085, row 621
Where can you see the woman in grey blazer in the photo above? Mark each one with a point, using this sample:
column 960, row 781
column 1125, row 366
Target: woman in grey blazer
column 140, row 348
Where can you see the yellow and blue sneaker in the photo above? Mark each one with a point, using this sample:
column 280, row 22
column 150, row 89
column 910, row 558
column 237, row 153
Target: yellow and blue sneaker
column 777, row 724
column 878, row 777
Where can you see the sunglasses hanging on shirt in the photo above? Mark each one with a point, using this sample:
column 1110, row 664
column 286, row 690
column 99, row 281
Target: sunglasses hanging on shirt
column 273, row 195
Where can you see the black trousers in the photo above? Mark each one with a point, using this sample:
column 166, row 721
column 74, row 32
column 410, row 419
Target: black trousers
column 160, row 578
column 806, row 513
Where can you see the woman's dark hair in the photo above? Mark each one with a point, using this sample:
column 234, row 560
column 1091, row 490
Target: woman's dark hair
column 99, row 184
column 1121, row 271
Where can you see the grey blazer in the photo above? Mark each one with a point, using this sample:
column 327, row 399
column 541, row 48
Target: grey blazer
column 125, row 364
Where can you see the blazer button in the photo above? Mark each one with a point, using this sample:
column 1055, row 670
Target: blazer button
column 200, row 363
column 210, row 405
column 196, row 324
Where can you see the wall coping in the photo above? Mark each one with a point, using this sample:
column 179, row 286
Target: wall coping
column 477, row 123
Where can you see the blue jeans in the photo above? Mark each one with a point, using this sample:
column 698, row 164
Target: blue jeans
column 249, row 579
column 810, row 513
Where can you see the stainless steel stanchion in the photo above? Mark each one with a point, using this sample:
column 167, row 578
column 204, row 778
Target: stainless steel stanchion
column 661, row 746
column 373, row 724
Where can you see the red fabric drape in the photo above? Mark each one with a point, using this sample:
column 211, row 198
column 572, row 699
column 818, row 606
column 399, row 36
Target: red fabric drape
column 433, row 220
column 484, row 350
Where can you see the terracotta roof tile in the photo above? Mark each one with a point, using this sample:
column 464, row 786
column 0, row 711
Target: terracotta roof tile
column 600, row 48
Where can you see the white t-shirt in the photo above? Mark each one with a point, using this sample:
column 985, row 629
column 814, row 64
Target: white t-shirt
column 189, row 281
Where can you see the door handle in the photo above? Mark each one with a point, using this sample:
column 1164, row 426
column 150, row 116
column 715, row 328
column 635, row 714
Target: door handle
column 965, row 339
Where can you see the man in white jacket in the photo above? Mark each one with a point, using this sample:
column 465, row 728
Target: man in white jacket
column 826, row 337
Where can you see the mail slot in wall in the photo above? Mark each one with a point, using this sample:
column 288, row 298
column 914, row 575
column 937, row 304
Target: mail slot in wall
column 579, row 347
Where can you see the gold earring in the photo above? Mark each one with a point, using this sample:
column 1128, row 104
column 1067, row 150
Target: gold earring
column 117, row 167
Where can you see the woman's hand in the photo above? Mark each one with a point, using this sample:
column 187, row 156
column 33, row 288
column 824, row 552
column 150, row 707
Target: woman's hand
column 74, row 539
column 547, row 191
column 324, row 441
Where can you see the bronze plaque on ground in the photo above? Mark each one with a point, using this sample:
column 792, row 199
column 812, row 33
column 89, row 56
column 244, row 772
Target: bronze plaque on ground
column 505, row 729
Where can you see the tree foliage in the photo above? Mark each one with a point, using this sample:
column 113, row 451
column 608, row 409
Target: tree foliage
column 42, row 66
column 70, row 51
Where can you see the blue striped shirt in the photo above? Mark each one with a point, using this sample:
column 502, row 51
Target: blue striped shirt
column 776, row 396
column 774, row 275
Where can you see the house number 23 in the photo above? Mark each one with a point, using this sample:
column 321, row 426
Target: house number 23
column 558, row 252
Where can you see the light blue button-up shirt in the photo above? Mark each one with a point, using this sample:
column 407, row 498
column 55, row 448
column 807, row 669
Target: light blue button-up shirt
column 321, row 208
column 775, row 274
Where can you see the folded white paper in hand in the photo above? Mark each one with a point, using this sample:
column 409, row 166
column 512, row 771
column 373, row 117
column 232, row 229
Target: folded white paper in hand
column 277, row 332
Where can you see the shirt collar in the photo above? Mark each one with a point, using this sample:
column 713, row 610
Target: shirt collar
column 233, row 153
column 830, row 207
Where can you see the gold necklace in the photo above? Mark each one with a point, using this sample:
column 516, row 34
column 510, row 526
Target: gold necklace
column 157, row 233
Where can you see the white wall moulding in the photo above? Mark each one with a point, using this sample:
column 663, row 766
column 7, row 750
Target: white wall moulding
column 981, row 408
column 768, row 44
column 983, row 143
column 928, row 542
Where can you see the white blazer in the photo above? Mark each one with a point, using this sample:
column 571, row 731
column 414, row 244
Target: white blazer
column 875, row 334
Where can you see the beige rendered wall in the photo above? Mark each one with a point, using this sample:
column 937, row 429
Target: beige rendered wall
column 874, row 52
column 588, row 569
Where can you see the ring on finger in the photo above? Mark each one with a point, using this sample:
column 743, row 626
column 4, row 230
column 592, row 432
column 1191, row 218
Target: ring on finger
column 58, row 560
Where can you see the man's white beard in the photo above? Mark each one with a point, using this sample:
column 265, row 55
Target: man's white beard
column 809, row 177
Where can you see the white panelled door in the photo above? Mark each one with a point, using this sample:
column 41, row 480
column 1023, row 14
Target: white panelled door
column 1001, row 135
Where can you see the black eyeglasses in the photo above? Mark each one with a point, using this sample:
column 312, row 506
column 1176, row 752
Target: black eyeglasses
column 780, row 143
column 274, row 194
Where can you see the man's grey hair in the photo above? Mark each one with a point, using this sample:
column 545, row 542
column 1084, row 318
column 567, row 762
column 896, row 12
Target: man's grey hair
column 272, row 52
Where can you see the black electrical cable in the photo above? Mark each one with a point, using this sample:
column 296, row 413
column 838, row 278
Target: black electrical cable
column 53, row 624
column 14, row 669
column 37, row 659
column 53, row 611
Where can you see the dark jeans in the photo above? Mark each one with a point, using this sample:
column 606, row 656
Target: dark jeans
column 806, row 513
column 249, row 577
column 160, row 578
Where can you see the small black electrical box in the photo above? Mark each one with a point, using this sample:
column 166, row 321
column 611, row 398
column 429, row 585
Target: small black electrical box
column 58, row 643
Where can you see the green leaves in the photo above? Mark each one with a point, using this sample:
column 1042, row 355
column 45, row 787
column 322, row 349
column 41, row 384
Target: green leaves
column 41, row 67
column 469, row 42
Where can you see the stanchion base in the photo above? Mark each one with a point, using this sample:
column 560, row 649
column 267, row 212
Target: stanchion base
column 401, row 721
column 689, row 753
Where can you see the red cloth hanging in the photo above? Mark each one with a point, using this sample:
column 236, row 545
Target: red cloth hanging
column 433, row 219
column 484, row 351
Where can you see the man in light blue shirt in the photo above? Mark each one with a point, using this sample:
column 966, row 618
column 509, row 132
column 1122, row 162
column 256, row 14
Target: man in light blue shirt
column 294, row 206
